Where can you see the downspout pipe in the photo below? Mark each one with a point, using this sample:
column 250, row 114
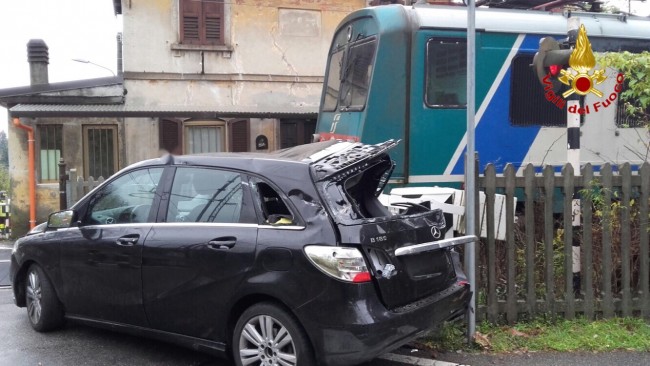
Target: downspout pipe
column 31, row 171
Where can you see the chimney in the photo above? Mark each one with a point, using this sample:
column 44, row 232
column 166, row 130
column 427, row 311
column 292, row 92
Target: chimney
column 38, row 58
column 119, row 54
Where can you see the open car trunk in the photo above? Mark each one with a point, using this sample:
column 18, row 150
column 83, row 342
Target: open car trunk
column 407, row 263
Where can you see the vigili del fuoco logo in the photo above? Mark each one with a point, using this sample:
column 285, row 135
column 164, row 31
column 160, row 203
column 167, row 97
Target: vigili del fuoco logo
column 581, row 78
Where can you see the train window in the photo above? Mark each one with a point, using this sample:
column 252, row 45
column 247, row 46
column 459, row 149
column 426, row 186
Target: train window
column 355, row 77
column 348, row 78
column 333, row 81
column 446, row 73
column 528, row 104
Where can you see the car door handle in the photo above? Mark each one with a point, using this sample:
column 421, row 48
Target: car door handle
column 222, row 243
column 127, row 241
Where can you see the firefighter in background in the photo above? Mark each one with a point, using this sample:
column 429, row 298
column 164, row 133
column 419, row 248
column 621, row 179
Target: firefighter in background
column 4, row 214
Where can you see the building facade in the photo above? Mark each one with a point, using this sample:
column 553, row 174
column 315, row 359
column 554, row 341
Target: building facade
column 261, row 61
column 197, row 76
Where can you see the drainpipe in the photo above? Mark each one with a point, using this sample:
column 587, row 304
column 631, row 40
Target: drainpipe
column 31, row 172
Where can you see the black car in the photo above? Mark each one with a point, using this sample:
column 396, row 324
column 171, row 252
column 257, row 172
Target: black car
column 285, row 258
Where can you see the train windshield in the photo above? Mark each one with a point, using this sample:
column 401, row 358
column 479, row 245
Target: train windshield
column 348, row 81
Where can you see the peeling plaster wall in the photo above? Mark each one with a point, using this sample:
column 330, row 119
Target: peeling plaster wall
column 275, row 55
column 267, row 30
column 19, row 187
column 221, row 93
column 142, row 137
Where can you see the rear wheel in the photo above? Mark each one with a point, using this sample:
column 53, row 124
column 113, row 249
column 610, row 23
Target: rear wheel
column 43, row 307
column 266, row 335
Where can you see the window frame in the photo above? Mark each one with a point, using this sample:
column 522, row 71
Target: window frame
column 345, row 52
column 247, row 214
column 223, row 42
column 193, row 124
column 427, row 70
column 86, row 147
column 92, row 200
column 41, row 133
column 254, row 181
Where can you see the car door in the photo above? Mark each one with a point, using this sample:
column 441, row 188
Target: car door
column 194, row 260
column 101, row 258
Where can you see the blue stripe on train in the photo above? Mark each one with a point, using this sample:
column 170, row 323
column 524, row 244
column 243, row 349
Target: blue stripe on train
column 497, row 141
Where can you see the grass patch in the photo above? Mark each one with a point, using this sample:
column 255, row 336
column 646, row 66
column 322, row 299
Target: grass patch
column 543, row 335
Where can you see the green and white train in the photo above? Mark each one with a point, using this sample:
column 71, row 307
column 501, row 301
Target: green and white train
column 400, row 72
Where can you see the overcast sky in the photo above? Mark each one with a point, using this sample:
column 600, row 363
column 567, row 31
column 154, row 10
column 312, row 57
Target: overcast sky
column 81, row 29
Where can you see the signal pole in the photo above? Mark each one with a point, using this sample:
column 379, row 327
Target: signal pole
column 573, row 158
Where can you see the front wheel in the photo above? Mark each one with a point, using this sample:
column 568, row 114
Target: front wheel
column 266, row 335
column 44, row 310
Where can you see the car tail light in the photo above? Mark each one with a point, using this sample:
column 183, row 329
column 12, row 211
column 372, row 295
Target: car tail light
column 345, row 264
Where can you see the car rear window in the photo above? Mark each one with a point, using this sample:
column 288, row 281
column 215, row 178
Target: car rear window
column 355, row 197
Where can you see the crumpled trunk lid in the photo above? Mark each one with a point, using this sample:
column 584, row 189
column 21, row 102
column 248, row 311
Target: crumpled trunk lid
column 403, row 279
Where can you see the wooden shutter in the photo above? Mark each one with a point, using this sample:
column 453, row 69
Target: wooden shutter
column 191, row 21
column 213, row 21
column 239, row 136
column 202, row 22
column 170, row 136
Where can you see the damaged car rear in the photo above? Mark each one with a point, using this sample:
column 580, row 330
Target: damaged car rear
column 397, row 278
column 285, row 258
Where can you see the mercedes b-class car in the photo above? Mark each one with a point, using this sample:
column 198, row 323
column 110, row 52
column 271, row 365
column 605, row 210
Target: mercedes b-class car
column 285, row 258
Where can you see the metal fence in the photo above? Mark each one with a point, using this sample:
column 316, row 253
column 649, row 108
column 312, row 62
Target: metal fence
column 530, row 272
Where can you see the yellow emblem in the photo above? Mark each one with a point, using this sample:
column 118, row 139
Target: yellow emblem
column 582, row 60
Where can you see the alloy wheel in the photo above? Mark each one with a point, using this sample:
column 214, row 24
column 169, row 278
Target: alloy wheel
column 264, row 341
column 34, row 294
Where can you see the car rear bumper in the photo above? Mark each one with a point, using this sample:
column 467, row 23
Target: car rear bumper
column 358, row 328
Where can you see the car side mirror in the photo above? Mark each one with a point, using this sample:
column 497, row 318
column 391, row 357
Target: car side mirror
column 60, row 220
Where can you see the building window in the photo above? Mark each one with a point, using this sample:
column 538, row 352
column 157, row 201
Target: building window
column 202, row 22
column 201, row 137
column 446, row 74
column 51, row 149
column 100, row 151
column 295, row 132
column 528, row 105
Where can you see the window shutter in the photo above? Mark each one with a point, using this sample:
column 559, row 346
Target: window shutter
column 213, row 21
column 239, row 136
column 190, row 21
column 170, row 136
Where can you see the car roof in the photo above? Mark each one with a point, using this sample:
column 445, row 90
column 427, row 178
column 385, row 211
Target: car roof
column 327, row 156
column 293, row 156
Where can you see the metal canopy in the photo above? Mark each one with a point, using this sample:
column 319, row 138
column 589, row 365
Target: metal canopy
column 121, row 110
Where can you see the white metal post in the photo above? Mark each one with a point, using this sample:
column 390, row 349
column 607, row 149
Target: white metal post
column 470, row 170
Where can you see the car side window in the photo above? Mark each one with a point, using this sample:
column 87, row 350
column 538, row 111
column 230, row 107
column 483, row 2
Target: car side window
column 274, row 209
column 206, row 195
column 127, row 199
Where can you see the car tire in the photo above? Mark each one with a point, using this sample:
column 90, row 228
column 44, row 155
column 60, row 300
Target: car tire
column 265, row 335
column 44, row 309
